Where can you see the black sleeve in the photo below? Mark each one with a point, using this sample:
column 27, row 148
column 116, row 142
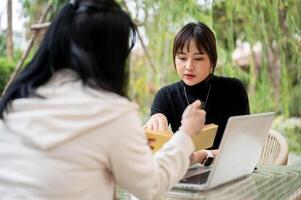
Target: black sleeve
column 170, row 102
column 160, row 102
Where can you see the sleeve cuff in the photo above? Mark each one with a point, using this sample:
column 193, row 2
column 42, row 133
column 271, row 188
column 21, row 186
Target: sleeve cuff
column 184, row 141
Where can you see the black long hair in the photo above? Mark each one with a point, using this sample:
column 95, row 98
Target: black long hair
column 91, row 37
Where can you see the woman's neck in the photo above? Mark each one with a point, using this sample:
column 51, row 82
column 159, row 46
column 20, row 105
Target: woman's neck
column 199, row 87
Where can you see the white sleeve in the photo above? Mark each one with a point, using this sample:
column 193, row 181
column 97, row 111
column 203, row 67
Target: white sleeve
column 139, row 172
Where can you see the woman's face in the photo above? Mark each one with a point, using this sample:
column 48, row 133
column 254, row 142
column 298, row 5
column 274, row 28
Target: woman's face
column 192, row 66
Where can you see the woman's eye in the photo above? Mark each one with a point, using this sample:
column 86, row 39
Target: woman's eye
column 199, row 59
column 182, row 58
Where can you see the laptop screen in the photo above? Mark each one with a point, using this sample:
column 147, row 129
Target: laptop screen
column 239, row 151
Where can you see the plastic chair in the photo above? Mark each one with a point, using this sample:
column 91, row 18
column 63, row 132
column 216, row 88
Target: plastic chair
column 275, row 150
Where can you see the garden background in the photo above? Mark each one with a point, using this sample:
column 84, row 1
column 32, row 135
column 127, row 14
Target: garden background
column 259, row 41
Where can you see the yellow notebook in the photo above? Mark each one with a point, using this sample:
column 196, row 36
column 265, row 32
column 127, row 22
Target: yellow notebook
column 202, row 140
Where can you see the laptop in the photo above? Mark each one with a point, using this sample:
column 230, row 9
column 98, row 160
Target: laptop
column 239, row 152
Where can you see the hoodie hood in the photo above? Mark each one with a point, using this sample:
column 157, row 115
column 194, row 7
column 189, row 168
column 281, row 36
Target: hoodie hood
column 68, row 110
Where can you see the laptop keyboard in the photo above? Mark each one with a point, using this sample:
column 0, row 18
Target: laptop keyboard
column 196, row 170
column 197, row 179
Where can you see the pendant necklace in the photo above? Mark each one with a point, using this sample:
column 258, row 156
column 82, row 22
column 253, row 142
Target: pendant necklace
column 203, row 104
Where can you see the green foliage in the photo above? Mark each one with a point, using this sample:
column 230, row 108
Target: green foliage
column 291, row 129
column 32, row 9
column 274, row 25
column 6, row 68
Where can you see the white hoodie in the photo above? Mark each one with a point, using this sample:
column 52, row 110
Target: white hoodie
column 78, row 143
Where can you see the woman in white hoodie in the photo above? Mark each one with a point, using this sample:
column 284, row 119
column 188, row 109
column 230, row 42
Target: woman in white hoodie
column 67, row 130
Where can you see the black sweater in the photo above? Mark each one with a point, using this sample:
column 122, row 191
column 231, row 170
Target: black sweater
column 227, row 97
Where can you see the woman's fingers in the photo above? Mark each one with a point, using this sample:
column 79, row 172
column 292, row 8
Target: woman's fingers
column 193, row 118
column 196, row 105
column 157, row 122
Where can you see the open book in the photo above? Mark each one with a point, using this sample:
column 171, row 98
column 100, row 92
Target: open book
column 202, row 140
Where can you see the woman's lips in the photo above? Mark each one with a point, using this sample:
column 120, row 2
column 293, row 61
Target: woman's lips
column 189, row 76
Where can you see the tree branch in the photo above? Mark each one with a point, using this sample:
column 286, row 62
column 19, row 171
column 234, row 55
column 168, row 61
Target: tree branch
column 30, row 45
column 142, row 43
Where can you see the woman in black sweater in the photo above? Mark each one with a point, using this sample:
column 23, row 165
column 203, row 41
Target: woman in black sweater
column 195, row 58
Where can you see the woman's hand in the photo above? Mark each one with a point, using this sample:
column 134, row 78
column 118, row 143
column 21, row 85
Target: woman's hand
column 193, row 119
column 200, row 156
column 157, row 122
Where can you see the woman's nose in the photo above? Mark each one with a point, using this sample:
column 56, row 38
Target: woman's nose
column 189, row 65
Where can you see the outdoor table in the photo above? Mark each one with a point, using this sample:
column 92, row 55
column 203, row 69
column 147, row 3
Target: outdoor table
column 267, row 182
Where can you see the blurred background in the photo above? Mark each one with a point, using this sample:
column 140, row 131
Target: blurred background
column 259, row 42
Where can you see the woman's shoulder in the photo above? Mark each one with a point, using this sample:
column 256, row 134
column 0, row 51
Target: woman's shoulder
column 170, row 88
column 66, row 87
column 109, row 98
column 233, row 82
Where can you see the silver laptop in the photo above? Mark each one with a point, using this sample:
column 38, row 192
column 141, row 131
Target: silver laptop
column 239, row 152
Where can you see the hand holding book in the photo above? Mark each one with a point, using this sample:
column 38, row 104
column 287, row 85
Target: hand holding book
column 193, row 120
column 203, row 140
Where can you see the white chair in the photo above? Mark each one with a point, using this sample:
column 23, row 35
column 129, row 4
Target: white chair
column 275, row 150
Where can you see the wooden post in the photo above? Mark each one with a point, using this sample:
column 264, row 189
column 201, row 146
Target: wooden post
column 9, row 33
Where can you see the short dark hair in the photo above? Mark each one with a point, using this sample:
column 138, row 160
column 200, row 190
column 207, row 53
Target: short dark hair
column 91, row 37
column 204, row 39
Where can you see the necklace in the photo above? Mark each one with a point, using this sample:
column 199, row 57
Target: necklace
column 203, row 104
